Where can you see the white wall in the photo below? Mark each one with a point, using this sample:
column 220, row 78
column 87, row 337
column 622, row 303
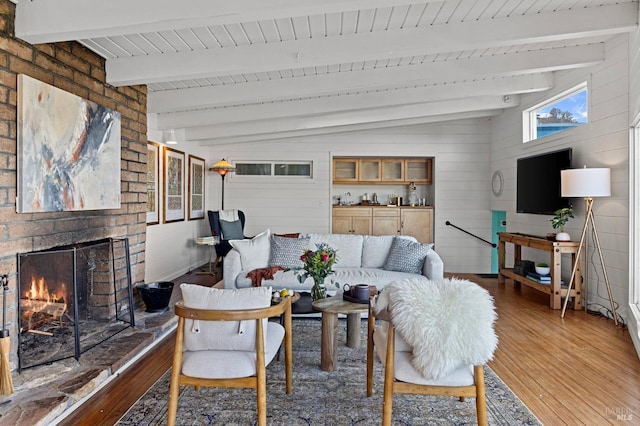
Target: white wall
column 601, row 143
column 461, row 176
column 170, row 247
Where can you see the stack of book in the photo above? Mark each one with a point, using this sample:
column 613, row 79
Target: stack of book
column 542, row 279
column 205, row 240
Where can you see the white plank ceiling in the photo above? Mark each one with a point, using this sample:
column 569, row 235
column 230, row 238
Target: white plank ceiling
column 245, row 70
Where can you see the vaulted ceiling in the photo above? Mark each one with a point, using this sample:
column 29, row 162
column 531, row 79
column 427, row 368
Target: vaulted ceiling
column 243, row 70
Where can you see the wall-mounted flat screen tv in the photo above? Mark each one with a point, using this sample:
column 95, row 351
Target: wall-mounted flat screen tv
column 538, row 182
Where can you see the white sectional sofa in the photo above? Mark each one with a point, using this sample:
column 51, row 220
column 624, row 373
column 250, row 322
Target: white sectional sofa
column 361, row 259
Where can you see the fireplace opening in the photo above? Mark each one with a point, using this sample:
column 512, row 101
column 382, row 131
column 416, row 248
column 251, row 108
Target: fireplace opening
column 72, row 299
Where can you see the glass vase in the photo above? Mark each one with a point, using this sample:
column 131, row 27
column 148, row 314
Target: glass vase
column 318, row 291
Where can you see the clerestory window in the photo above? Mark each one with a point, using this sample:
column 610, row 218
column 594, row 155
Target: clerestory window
column 562, row 112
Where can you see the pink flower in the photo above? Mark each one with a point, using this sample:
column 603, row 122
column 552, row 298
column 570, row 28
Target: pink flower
column 325, row 257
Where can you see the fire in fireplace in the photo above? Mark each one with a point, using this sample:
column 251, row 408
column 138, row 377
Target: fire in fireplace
column 71, row 299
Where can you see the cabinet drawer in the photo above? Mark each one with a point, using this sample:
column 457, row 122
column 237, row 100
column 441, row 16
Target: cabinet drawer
column 386, row 212
column 352, row 211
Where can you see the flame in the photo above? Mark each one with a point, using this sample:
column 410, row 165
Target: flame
column 40, row 291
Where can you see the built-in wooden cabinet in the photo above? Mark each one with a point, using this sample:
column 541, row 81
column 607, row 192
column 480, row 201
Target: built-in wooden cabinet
column 386, row 221
column 346, row 170
column 352, row 220
column 383, row 170
column 414, row 221
column 370, row 170
column 417, row 223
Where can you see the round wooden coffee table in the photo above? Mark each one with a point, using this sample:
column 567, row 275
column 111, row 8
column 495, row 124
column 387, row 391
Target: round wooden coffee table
column 330, row 308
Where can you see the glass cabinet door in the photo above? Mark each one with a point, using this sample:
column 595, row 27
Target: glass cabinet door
column 393, row 170
column 345, row 169
column 418, row 170
column 370, row 170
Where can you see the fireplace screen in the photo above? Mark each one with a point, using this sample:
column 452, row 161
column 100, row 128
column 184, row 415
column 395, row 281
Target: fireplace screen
column 71, row 299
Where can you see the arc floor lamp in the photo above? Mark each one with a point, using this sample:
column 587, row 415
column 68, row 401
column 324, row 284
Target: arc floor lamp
column 588, row 184
column 223, row 167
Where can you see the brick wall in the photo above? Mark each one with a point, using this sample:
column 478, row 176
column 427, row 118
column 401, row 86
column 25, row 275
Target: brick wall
column 71, row 67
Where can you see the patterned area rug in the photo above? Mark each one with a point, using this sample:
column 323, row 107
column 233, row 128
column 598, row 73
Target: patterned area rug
column 322, row 398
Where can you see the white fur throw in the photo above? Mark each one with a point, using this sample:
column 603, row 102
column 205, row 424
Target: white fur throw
column 448, row 323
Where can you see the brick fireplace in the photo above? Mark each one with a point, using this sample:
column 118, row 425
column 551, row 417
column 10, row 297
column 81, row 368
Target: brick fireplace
column 75, row 69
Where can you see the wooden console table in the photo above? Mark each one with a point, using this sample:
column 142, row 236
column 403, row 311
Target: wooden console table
column 556, row 250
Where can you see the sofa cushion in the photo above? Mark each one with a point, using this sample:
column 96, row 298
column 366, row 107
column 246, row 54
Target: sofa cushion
column 286, row 252
column 254, row 253
column 222, row 335
column 375, row 250
column 231, row 230
column 372, row 276
column 348, row 248
column 407, row 256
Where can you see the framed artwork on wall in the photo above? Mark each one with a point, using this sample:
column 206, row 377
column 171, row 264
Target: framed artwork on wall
column 196, row 187
column 153, row 183
column 173, row 185
column 68, row 152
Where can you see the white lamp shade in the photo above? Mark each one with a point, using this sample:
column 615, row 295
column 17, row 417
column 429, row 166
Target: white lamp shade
column 586, row 182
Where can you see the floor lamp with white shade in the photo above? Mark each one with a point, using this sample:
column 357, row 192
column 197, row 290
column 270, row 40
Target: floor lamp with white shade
column 588, row 184
column 222, row 167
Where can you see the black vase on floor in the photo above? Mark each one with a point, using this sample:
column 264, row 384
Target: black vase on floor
column 156, row 296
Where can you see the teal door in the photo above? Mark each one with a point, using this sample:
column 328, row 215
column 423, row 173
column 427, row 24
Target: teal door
column 498, row 224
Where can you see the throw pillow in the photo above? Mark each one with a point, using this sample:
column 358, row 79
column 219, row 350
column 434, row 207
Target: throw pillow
column 231, row 230
column 407, row 256
column 254, row 253
column 286, row 252
column 222, row 335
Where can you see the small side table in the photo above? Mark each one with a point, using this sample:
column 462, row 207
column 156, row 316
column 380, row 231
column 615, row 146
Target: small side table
column 330, row 308
column 211, row 242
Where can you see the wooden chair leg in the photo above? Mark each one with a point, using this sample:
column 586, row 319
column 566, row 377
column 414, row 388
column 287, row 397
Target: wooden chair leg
column 370, row 355
column 174, row 387
column 389, row 377
column 481, row 403
column 261, row 376
column 288, row 350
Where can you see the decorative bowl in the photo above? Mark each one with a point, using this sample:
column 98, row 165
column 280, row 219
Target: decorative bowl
column 543, row 270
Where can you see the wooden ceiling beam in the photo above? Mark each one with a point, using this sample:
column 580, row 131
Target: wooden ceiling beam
column 265, row 137
column 344, row 118
column 333, row 104
column 430, row 73
column 415, row 41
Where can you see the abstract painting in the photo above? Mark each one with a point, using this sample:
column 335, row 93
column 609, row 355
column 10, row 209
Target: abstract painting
column 153, row 178
column 196, row 187
column 173, row 185
column 68, row 151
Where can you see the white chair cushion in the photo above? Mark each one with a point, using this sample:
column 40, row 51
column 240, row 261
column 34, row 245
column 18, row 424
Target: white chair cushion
column 231, row 364
column 254, row 253
column 223, row 335
column 405, row 372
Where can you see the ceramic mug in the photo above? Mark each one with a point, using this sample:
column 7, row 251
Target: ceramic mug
column 358, row 291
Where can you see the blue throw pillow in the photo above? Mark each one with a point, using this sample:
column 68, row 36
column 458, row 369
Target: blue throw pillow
column 407, row 256
column 231, row 230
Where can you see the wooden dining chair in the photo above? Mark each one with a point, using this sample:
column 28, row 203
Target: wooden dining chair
column 400, row 373
column 228, row 348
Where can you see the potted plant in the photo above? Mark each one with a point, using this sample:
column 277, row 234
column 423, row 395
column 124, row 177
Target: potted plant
column 560, row 219
column 542, row 268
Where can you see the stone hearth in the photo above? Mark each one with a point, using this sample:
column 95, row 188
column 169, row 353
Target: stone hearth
column 45, row 393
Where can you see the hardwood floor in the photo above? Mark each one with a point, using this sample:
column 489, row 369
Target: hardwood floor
column 576, row 370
